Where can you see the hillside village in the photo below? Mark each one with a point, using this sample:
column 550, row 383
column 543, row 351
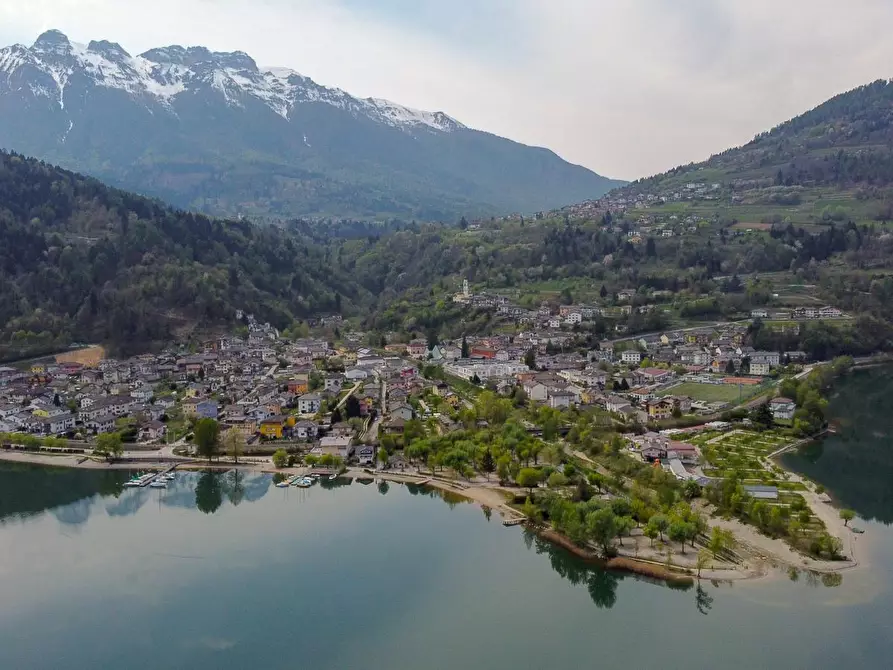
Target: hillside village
column 341, row 399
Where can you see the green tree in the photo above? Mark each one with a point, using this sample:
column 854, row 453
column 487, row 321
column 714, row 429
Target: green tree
column 556, row 480
column 625, row 524
column 847, row 515
column 207, row 438
column 691, row 489
column 651, row 532
column 234, row 444
column 503, row 467
column 601, row 528
column 465, row 350
column 528, row 478
column 720, row 540
column 761, row 416
column 488, row 465
column 703, row 560
column 109, row 445
column 280, row 458
column 678, row 532
column 662, row 523
column 530, row 358
column 383, row 457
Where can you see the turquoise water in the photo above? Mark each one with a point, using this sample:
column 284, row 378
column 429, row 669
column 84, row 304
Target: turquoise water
column 225, row 572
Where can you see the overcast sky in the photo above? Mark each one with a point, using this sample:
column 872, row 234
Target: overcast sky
column 626, row 87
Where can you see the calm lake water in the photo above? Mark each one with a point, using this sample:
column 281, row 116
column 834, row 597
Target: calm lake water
column 226, row 572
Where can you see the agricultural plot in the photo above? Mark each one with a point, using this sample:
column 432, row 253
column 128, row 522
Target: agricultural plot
column 710, row 392
column 745, row 452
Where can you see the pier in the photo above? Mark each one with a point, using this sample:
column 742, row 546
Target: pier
column 148, row 480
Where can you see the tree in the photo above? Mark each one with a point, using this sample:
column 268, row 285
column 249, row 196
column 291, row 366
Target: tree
column 109, row 445
column 336, row 415
column 720, row 540
column 601, row 528
column 625, row 524
column 528, row 478
column 730, row 367
column 691, row 489
column 465, row 351
column 603, row 292
column 556, row 480
column 207, row 438
column 761, row 416
column 703, row 560
column 650, row 249
column 530, row 358
column 234, row 444
column 847, row 515
column 488, row 465
column 650, row 532
column 280, row 458
column 503, row 467
column 678, row 532
column 383, row 457
column 352, row 407
column 661, row 523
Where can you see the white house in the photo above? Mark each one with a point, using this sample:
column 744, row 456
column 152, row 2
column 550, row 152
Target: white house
column 559, row 399
column 631, row 357
column 309, row 403
column 782, row 408
column 760, row 368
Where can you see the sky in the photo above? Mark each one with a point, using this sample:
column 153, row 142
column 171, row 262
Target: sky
column 628, row 88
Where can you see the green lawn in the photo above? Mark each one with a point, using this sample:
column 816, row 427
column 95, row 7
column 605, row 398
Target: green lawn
column 709, row 392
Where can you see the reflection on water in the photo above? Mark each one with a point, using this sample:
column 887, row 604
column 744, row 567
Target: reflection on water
column 601, row 584
column 70, row 494
column 856, row 463
column 27, row 490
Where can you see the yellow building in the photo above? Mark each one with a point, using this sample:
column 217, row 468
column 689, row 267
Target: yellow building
column 273, row 427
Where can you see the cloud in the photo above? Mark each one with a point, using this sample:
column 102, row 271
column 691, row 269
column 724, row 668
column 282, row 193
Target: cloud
column 626, row 88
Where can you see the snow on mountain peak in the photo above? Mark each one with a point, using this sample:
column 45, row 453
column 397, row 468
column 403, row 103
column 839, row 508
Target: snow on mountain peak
column 163, row 73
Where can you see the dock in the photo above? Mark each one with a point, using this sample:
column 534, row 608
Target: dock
column 514, row 522
column 149, row 480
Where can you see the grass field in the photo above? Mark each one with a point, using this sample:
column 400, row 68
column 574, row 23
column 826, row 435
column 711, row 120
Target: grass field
column 709, row 392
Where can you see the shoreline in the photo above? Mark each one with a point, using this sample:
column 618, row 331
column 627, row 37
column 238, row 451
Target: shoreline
column 761, row 554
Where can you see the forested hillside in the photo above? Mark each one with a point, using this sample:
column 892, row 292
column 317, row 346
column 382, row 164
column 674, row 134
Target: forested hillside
column 81, row 261
column 833, row 163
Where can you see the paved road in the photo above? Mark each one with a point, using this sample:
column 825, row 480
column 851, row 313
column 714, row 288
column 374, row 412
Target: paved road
column 348, row 394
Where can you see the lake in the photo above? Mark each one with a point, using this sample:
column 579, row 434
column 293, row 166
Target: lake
column 227, row 571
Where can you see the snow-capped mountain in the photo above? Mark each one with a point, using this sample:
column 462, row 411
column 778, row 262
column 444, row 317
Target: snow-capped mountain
column 214, row 131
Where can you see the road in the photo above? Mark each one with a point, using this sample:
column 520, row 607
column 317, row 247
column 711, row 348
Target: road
column 712, row 324
column 348, row 394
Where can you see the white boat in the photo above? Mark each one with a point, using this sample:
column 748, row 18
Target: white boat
column 282, row 485
column 133, row 483
column 331, row 477
column 304, row 483
column 158, row 484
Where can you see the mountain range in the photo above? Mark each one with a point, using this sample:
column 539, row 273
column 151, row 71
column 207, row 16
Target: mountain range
column 213, row 132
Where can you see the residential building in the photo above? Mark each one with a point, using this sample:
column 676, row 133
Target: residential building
column 309, row 403
column 782, row 408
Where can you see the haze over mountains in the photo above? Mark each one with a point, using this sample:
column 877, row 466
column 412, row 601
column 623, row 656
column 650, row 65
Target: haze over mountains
column 213, row 132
